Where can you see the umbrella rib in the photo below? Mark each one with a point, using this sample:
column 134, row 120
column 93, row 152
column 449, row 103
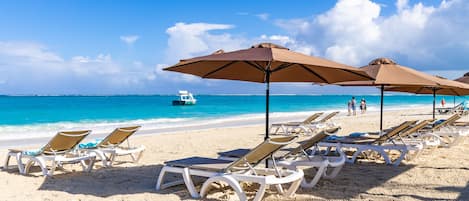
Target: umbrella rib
column 218, row 69
column 314, row 73
column 190, row 63
column 283, row 66
column 419, row 90
column 455, row 92
column 257, row 66
column 368, row 77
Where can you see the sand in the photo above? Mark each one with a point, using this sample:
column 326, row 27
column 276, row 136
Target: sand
column 441, row 173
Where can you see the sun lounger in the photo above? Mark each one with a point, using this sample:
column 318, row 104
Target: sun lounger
column 309, row 127
column 287, row 127
column 304, row 155
column 413, row 134
column 323, row 123
column 59, row 150
column 234, row 172
column 111, row 146
column 383, row 144
column 448, row 134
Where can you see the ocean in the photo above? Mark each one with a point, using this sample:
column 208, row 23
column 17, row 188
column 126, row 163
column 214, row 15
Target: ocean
column 42, row 116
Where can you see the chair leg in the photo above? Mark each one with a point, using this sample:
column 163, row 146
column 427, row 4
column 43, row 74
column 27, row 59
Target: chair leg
column 314, row 181
column 42, row 164
column 231, row 182
column 7, row 160
column 88, row 167
column 260, row 193
column 111, row 160
column 160, row 179
column 135, row 159
column 19, row 161
column 294, row 186
column 332, row 174
column 189, row 183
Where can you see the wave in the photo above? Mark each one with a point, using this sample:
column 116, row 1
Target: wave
column 164, row 125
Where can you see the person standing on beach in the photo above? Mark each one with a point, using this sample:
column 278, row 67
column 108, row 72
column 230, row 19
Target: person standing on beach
column 443, row 102
column 349, row 107
column 353, row 104
column 363, row 105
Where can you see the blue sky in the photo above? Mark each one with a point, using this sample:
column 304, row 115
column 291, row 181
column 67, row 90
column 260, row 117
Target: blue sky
column 119, row 47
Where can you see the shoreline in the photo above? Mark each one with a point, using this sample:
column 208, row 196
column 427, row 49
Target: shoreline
column 237, row 121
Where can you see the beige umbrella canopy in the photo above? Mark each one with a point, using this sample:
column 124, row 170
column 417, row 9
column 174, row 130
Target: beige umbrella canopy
column 253, row 64
column 443, row 87
column 387, row 72
column 265, row 63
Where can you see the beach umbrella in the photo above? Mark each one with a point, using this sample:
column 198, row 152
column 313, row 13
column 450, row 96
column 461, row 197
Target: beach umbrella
column 444, row 87
column 387, row 72
column 464, row 79
column 266, row 63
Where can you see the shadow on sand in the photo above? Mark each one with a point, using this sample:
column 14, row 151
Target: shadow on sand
column 356, row 179
column 352, row 183
column 105, row 182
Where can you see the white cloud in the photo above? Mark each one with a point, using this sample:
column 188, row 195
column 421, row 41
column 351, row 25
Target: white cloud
column 355, row 31
column 290, row 43
column 129, row 40
column 31, row 68
column 263, row 16
column 28, row 51
column 189, row 40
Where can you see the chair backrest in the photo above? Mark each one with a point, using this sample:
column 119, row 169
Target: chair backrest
column 394, row 132
column 64, row 141
column 304, row 145
column 259, row 153
column 311, row 118
column 415, row 129
column 447, row 122
column 118, row 136
column 329, row 116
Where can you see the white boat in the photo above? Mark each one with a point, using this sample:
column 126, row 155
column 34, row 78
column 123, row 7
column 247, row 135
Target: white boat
column 185, row 98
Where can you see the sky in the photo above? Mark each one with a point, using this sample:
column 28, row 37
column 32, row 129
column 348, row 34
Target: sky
column 87, row 47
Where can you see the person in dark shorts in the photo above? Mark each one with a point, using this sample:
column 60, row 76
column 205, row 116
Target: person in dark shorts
column 363, row 105
column 354, row 106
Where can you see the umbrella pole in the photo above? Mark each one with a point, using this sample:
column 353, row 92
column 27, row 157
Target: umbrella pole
column 382, row 103
column 434, row 102
column 267, row 95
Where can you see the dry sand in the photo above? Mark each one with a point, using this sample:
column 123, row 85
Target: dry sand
column 437, row 174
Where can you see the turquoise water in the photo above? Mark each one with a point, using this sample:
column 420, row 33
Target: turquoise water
column 42, row 116
column 25, row 110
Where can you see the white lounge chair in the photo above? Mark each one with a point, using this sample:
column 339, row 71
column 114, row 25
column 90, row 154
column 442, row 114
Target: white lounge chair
column 58, row 151
column 448, row 134
column 324, row 123
column 234, row 172
column 289, row 127
column 413, row 135
column 111, row 146
column 383, row 144
column 303, row 156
